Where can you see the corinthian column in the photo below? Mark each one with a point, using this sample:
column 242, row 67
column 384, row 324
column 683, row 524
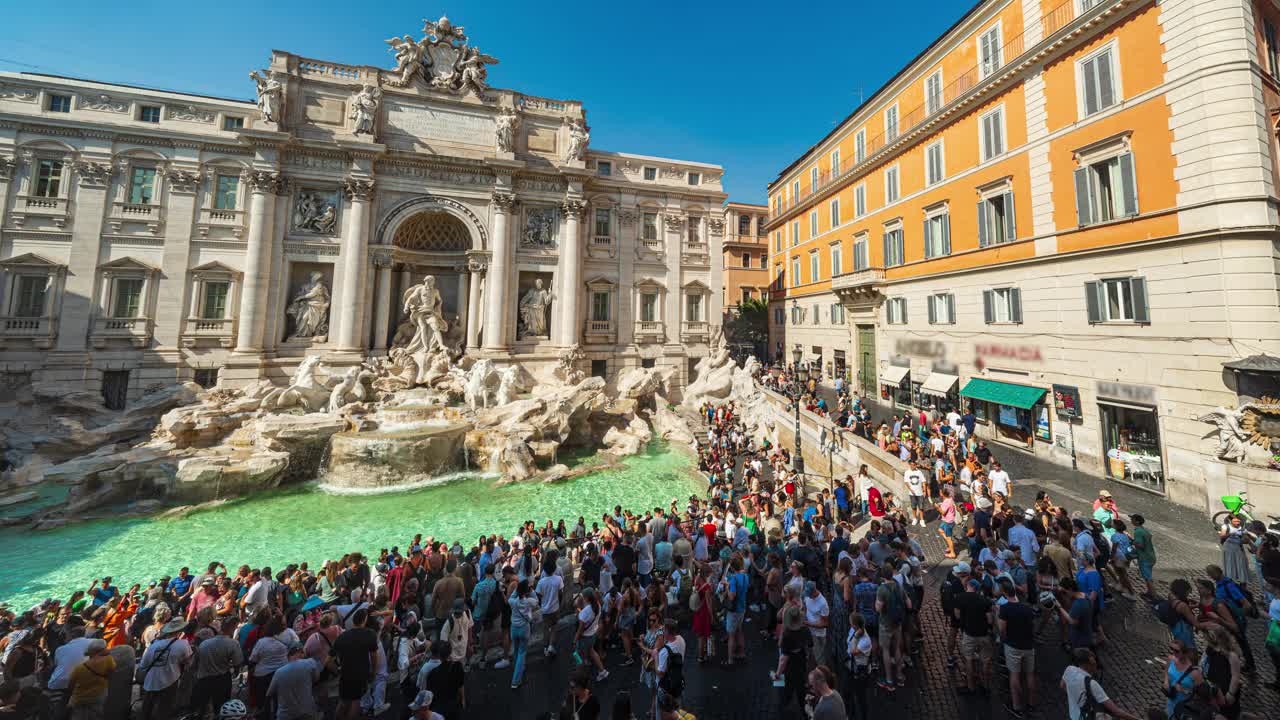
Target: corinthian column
column 495, row 331
column 263, row 186
column 571, row 271
column 382, row 314
column 355, row 262
column 475, row 267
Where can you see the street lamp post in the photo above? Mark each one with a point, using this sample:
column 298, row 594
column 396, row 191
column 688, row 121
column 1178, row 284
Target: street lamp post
column 802, row 377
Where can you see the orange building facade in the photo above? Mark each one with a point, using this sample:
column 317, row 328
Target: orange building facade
column 1061, row 214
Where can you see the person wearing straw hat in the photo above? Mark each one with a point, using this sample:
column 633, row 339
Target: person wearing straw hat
column 88, row 682
column 161, row 669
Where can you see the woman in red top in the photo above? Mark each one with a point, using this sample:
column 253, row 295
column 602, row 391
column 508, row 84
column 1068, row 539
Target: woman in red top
column 875, row 504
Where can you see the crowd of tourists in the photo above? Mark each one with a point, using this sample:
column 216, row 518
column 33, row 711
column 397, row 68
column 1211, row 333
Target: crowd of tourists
column 830, row 578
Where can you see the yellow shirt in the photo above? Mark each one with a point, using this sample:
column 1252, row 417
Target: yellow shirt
column 88, row 681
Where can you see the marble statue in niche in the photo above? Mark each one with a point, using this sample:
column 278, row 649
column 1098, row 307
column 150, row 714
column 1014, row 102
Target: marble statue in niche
column 540, row 229
column 533, row 312
column 309, row 309
column 316, row 212
column 364, row 109
column 507, row 122
column 424, row 307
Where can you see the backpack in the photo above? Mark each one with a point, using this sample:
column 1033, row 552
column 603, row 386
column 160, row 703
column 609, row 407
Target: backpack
column 1090, row 708
column 494, row 609
column 1167, row 612
column 951, row 587
column 672, row 682
column 894, row 612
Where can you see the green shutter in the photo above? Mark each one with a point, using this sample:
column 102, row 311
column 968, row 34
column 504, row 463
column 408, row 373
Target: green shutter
column 1084, row 201
column 984, row 235
column 1141, row 310
column 1128, row 186
column 988, row 306
column 1010, row 219
column 946, row 234
column 933, row 314
column 1093, row 301
column 928, row 239
column 1015, row 305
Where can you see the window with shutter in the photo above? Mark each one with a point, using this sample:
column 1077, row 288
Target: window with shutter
column 1141, row 310
column 1098, row 81
column 860, row 200
column 1093, row 302
column 1106, row 190
column 933, row 93
column 933, row 310
column 989, row 306
column 935, row 168
column 1015, row 305
column 860, row 146
column 989, row 51
column 984, row 233
column 834, row 209
column 992, row 130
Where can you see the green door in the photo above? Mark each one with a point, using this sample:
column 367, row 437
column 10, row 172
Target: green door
column 866, row 361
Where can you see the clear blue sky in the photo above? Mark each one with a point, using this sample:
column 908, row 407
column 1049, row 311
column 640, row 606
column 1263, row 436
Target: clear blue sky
column 749, row 85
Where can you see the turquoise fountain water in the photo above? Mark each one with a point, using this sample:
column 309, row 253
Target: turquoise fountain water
column 304, row 523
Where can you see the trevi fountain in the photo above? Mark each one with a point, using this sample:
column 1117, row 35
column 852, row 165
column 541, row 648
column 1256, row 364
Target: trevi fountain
column 426, row 439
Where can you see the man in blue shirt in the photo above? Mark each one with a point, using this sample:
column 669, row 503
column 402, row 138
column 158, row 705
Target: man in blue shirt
column 102, row 595
column 1227, row 591
column 180, row 587
column 737, row 608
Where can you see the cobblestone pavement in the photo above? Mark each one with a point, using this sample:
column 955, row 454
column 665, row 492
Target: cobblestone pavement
column 1133, row 661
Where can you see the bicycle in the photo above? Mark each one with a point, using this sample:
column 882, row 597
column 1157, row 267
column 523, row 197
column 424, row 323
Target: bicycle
column 1240, row 505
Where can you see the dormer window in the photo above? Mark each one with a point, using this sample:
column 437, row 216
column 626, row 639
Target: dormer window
column 232, row 123
column 60, row 103
column 604, row 168
column 695, row 178
column 149, row 113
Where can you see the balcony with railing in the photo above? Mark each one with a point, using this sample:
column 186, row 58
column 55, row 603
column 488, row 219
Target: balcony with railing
column 599, row 332
column 933, row 108
column 650, row 331
column 54, row 209
column 136, row 330
column 695, row 252
column 601, row 246
column 212, row 331
column 40, row 331
column 212, row 218
column 150, row 215
column 695, row 331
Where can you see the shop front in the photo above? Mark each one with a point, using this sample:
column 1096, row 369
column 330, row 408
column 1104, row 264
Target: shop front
column 1131, row 435
column 895, row 386
column 941, row 390
column 1016, row 414
column 842, row 367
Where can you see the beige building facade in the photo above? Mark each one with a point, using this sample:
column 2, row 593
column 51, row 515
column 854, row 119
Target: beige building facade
column 148, row 236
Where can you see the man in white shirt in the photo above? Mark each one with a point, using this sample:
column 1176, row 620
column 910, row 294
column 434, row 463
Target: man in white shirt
column 548, row 592
column 644, row 556
column 817, row 616
column 953, row 419
column 1078, row 679
column 68, row 657
column 915, row 489
column 1000, row 481
column 258, row 595
column 1024, row 538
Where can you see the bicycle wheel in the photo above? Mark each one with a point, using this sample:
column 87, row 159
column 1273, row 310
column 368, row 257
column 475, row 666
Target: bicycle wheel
column 1221, row 518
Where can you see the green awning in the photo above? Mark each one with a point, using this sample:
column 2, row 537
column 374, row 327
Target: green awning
column 1001, row 393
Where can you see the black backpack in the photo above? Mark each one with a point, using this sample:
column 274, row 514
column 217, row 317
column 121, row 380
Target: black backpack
column 1167, row 611
column 672, row 682
column 391, row 647
column 1090, row 708
column 494, row 609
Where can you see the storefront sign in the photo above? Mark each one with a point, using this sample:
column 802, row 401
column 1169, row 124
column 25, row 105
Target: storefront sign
column 920, row 348
column 1000, row 351
column 1140, row 394
column 1042, row 424
column 1067, row 400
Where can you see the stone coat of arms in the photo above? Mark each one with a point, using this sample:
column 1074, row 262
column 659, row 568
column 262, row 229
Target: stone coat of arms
column 442, row 58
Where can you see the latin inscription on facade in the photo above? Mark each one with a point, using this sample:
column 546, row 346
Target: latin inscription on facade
column 451, row 126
